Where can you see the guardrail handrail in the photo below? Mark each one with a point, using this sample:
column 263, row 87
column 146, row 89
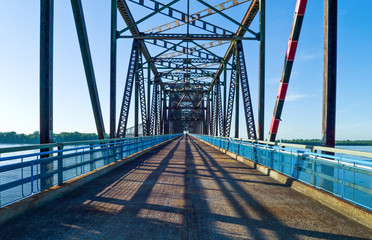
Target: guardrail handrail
column 346, row 177
column 312, row 148
column 21, row 175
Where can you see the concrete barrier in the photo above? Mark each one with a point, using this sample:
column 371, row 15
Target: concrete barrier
column 350, row 210
column 25, row 205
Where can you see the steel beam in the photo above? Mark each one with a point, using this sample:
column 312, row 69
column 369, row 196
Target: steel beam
column 329, row 83
column 142, row 96
column 188, row 37
column 221, row 120
column 46, row 84
column 136, row 98
column 224, row 100
column 186, row 60
column 113, row 58
column 247, row 101
column 237, row 99
column 230, row 103
column 261, row 84
column 287, row 69
column 127, row 96
column 88, row 65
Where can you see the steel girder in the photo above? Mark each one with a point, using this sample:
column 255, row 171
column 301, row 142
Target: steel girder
column 128, row 90
column 142, row 95
column 230, row 103
column 88, row 65
column 220, row 113
column 214, row 112
column 153, row 109
column 186, row 60
column 287, row 69
column 251, row 129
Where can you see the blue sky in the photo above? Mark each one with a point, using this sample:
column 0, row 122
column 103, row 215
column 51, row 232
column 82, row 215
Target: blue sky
column 301, row 118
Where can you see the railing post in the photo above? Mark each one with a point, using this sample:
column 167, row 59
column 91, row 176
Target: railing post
column 353, row 181
column 60, row 164
column 313, row 176
column 91, row 157
column 343, row 181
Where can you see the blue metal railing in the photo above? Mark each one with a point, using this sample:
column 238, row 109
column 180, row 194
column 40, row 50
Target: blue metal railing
column 350, row 179
column 20, row 171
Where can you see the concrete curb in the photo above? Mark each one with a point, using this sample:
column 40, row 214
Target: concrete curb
column 25, row 205
column 350, row 210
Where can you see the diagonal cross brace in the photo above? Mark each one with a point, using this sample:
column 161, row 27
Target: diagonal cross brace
column 141, row 81
column 230, row 103
column 194, row 21
column 123, row 121
column 88, row 65
column 198, row 15
column 248, row 110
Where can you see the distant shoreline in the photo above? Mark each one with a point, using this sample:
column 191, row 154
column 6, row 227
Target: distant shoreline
column 33, row 138
column 317, row 142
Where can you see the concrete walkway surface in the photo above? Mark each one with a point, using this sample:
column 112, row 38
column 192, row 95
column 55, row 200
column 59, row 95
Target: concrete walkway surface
column 184, row 190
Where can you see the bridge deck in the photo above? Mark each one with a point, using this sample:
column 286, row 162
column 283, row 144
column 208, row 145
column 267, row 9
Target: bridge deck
column 184, row 190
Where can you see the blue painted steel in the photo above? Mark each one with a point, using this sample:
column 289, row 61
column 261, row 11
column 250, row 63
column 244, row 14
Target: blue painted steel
column 20, row 175
column 352, row 178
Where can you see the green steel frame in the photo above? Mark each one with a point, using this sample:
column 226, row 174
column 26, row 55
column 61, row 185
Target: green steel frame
column 187, row 80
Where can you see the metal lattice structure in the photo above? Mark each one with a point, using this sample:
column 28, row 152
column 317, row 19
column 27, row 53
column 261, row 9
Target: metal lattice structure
column 181, row 66
column 190, row 54
column 187, row 77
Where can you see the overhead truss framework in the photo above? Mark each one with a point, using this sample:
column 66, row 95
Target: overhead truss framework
column 181, row 66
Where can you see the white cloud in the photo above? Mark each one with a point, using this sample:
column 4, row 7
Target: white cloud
column 295, row 96
column 310, row 56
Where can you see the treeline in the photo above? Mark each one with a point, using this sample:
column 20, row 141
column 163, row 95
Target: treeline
column 317, row 142
column 33, row 138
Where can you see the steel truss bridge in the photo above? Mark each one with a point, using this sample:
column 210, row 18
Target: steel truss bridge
column 186, row 72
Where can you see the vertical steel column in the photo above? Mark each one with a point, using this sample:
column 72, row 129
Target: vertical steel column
column 165, row 123
column 46, row 83
column 88, row 65
column 162, row 115
column 136, row 97
column 329, row 83
column 203, row 117
column 208, row 117
column 261, row 85
column 211, row 110
column 236, row 135
column 113, row 48
column 169, row 112
column 158, row 109
column 148, row 97
column 224, row 98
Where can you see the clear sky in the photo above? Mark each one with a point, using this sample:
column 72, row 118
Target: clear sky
column 301, row 118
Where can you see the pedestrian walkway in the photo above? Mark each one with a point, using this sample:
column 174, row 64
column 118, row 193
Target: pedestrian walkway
column 184, row 190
